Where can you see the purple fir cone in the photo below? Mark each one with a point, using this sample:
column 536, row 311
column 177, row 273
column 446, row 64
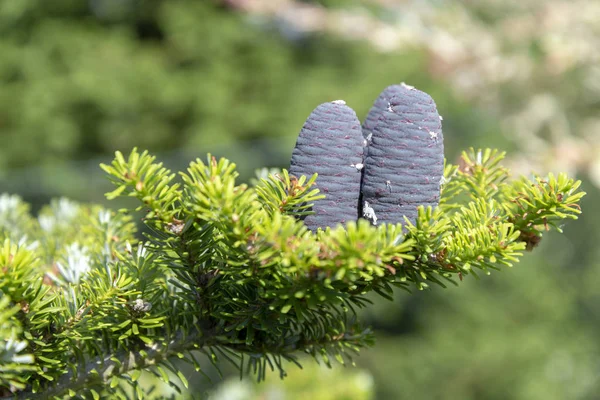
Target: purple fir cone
column 331, row 145
column 404, row 161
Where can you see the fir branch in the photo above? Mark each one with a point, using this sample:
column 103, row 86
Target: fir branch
column 97, row 373
column 288, row 194
column 15, row 363
column 149, row 182
column 231, row 271
column 534, row 207
column 479, row 175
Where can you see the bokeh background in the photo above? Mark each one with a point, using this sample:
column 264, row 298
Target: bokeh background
column 80, row 79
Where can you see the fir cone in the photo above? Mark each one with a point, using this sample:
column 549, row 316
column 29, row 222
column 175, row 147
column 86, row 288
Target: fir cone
column 331, row 145
column 404, row 162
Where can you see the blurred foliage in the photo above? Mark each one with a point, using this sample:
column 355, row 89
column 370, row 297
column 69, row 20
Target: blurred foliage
column 313, row 381
column 82, row 79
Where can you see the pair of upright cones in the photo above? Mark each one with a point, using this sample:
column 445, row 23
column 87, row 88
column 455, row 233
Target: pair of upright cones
column 383, row 170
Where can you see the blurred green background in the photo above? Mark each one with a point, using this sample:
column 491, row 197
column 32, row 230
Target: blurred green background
column 237, row 78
